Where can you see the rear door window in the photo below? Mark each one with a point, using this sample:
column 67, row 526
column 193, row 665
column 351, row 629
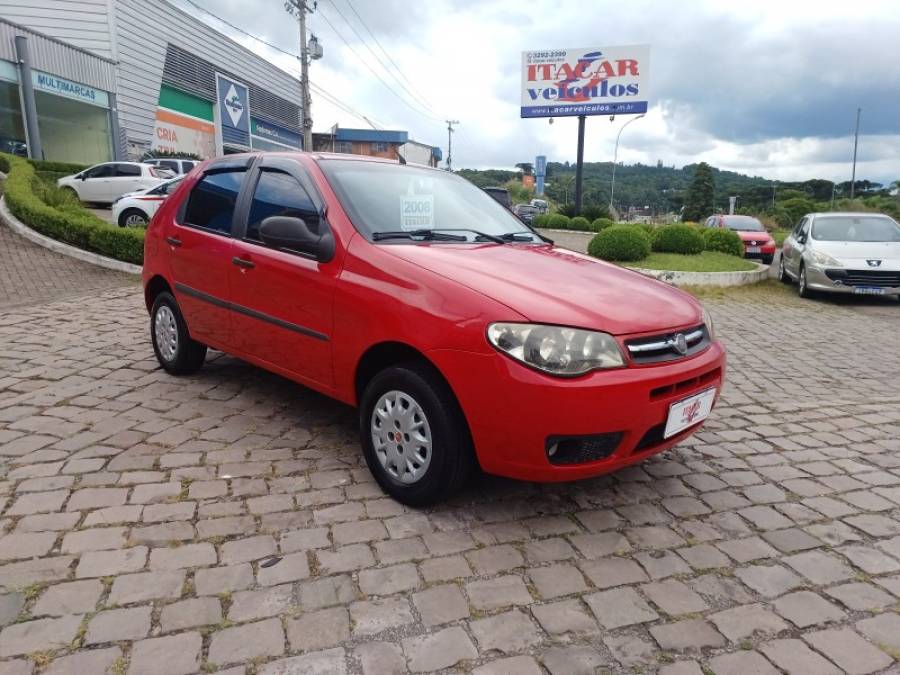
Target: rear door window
column 278, row 194
column 211, row 203
column 129, row 170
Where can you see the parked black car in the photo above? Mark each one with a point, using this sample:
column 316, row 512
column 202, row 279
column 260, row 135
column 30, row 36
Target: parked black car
column 501, row 195
column 525, row 213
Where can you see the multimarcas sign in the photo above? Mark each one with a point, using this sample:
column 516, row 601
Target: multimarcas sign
column 593, row 81
column 69, row 88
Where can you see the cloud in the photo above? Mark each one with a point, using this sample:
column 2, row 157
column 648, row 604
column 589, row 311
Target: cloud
column 767, row 87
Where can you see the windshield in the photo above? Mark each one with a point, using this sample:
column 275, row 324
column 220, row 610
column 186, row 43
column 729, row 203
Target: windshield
column 383, row 197
column 743, row 224
column 855, row 228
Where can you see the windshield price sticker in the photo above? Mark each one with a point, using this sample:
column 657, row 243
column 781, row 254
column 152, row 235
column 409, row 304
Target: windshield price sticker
column 417, row 212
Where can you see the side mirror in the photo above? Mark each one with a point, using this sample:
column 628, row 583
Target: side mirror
column 83, row 176
column 292, row 234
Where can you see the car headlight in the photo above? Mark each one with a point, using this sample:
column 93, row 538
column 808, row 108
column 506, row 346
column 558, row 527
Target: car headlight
column 708, row 322
column 825, row 259
column 556, row 350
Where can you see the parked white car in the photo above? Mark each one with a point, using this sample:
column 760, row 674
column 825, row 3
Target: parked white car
column 103, row 183
column 135, row 209
column 174, row 164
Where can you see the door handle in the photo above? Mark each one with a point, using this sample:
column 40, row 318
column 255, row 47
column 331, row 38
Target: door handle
column 173, row 241
column 243, row 262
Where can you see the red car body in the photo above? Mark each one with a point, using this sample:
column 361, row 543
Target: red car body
column 436, row 300
column 757, row 243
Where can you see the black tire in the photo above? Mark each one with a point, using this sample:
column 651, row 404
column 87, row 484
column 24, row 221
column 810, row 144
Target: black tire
column 71, row 192
column 782, row 273
column 127, row 213
column 187, row 355
column 802, row 289
column 767, row 259
column 451, row 455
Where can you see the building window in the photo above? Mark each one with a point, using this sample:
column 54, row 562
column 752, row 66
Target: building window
column 12, row 127
column 343, row 146
column 72, row 131
column 379, row 147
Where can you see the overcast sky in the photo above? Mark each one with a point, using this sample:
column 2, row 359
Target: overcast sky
column 765, row 87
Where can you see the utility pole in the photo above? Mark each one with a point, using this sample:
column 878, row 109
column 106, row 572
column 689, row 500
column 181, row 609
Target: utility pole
column 612, row 187
column 579, row 165
column 298, row 9
column 450, row 124
column 855, row 144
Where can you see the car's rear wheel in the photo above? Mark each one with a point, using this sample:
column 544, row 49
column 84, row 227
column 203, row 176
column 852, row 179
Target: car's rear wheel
column 414, row 436
column 70, row 191
column 175, row 350
column 802, row 286
column 782, row 273
column 133, row 218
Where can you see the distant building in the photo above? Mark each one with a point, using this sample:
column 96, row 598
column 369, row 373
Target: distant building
column 377, row 143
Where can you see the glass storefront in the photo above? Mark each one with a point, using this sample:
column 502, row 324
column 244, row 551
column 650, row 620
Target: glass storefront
column 12, row 126
column 72, row 131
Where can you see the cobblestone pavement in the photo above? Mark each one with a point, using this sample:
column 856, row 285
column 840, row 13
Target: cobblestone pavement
column 226, row 520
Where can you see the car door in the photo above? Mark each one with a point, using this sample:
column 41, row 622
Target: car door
column 95, row 185
column 795, row 244
column 125, row 178
column 282, row 301
column 200, row 241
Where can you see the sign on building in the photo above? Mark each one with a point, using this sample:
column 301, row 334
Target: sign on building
column 593, row 81
column 232, row 114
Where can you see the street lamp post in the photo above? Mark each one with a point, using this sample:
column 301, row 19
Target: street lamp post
column 612, row 187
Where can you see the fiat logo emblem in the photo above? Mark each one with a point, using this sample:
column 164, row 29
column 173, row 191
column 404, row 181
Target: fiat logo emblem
column 679, row 342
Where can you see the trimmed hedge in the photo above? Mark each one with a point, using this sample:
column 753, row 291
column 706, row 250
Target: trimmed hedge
column 558, row 221
column 580, row 223
column 601, row 224
column 723, row 240
column 620, row 243
column 53, row 212
column 678, row 238
column 64, row 168
column 542, row 220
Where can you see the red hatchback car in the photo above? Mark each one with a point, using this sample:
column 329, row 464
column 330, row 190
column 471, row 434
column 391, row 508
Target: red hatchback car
column 758, row 243
column 460, row 335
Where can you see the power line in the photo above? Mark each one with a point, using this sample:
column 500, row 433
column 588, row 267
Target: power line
column 387, row 69
column 373, row 71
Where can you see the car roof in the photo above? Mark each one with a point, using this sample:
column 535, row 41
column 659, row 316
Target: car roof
column 855, row 214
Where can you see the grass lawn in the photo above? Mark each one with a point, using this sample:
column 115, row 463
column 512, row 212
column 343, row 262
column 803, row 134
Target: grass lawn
column 779, row 236
column 708, row 261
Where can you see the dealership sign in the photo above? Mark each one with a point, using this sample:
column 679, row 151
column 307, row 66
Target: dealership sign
column 594, row 81
column 232, row 113
column 69, row 88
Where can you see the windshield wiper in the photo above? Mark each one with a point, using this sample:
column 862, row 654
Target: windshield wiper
column 521, row 235
column 478, row 235
column 424, row 235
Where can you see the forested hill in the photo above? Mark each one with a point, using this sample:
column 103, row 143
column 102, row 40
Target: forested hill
column 662, row 188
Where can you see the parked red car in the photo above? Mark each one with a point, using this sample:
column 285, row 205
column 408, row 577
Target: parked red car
column 758, row 243
column 461, row 335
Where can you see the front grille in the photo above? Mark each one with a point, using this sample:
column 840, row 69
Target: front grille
column 665, row 347
column 581, row 449
column 680, row 388
column 877, row 278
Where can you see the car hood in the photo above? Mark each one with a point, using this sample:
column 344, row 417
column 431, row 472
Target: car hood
column 748, row 235
column 552, row 285
column 856, row 253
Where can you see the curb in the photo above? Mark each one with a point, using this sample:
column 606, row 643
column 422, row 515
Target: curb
column 708, row 278
column 23, row 230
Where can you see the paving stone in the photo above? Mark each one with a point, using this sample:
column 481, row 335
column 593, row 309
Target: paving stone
column 704, row 557
column 42, row 570
column 445, row 569
column 610, row 572
column 180, row 557
column 326, row 592
column 513, row 665
column 565, row 616
column 883, row 630
column 114, row 515
column 82, row 663
column 375, row 616
column 110, row 563
column 747, row 620
column 39, row 635
column 819, row 567
column 76, row 597
column 173, row 655
column 318, row 630
column 662, row 564
column 487, row 594
column 95, row 498
column 304, row 540
column 795, row 658
column 861, row 597
column 508, row 633
column 741, row 663
column 326, row 662
column 557, row 580
column 48, row 522
column 154, row 493
column 681, row 668
column 345, row 559
column 190, row 613
column 870, row 560
column 291, row 567
column 443, row 649
column 769, row 580
column 381, row 658
column 119, row 624
column 791, row 540
column 687, row 634
column 631, row 650
column 38, row 502
column 494, row 559
column 215, row 580
column 849, row 651
column 95, row 539
column 673, row 597
column 389, row 580
column 18, row 546
column 156, row 513
column 241, row 644
column 619, row 607
column 572, row 660
column 805, row 608
column 441, row 604
column 747, row 550
column 261, row 604
column 600, row 545
column 10, row 606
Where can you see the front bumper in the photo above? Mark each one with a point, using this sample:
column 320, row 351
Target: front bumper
column 817, row 279
column 513, row 410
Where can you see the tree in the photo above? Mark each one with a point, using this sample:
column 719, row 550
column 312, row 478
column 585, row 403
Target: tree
column 526, row 167
column 698, row 203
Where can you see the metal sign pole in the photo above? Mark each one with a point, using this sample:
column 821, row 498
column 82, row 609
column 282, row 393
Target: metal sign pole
column 579, row 166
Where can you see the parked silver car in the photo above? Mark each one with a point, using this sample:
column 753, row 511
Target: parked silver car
column 843, row 253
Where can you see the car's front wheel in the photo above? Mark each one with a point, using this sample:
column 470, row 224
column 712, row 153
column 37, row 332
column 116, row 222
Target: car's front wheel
column 133, row 218
column 175, row 350
column 802, row 285
column 414, row 436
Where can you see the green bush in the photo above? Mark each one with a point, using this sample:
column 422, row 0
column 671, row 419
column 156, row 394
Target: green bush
column 542, row 220
column 723, row 240
column 678, row 238
column 620, row 243
column 580, row 223
column 601, row 224
column 57, row 214
column 50, row 176
column 4, row 163
column 64, row 168
column 593, row 211
column 558, row 221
